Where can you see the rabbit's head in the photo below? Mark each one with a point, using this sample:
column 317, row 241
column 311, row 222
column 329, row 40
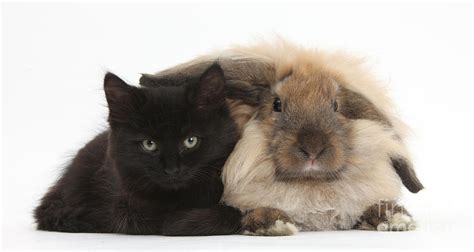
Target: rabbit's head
column 308, row 137
column 308, row 119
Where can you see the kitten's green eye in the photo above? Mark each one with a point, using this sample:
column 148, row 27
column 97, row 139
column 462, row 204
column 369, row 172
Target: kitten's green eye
column 149, row 145
column 191, row 142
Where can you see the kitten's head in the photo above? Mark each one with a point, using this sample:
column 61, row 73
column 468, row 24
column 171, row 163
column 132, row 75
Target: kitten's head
column 169, row 137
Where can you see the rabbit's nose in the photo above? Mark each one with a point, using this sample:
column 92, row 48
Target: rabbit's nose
column 312, row 143
column 314, row 152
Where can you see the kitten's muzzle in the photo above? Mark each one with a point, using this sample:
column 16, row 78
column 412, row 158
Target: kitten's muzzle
column 171, row 170
column 170, row 166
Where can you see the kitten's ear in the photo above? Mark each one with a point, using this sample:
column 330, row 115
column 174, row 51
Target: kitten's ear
column 121, row 98
column 209, row 91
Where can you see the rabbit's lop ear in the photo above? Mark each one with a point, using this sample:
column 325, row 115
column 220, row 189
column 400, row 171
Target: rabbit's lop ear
column 250, row 94
column 149, row 80
column 164, row 80
column 408, row 176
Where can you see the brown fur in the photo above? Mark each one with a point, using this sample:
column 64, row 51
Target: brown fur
column 407, row 174
column 355, row 106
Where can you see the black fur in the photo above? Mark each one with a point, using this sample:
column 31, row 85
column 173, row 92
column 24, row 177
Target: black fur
column 114, row 185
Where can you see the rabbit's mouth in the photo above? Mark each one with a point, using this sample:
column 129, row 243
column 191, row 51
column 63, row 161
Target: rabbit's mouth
column 312, row 165
column 310, row 171
column 309, row 152
column 308, row 168
column 295, row 162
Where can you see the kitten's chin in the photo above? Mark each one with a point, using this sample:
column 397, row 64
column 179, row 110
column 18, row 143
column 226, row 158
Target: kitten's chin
column 172, row 186
column 170, row 183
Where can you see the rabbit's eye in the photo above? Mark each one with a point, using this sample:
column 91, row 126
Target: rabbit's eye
column 335, row 106
column 149, row 145
column 277, row 105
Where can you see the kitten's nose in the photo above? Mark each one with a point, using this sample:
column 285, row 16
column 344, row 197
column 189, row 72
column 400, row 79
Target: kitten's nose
column 170, row 165
column 171, row 170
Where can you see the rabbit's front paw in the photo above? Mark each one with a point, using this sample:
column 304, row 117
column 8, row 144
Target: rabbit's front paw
column 386, row 216
column 266, row 221
column 397, row 222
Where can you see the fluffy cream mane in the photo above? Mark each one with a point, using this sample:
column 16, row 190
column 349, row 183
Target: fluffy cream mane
column 249, row 173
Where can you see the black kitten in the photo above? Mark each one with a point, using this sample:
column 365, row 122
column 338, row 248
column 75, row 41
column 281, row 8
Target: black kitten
column 156, row 171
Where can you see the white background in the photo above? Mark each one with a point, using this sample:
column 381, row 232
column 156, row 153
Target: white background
column 54, row 57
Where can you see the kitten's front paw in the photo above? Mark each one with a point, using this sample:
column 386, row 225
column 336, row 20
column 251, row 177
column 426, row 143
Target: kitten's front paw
column 398, row 222
column 266, row 221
